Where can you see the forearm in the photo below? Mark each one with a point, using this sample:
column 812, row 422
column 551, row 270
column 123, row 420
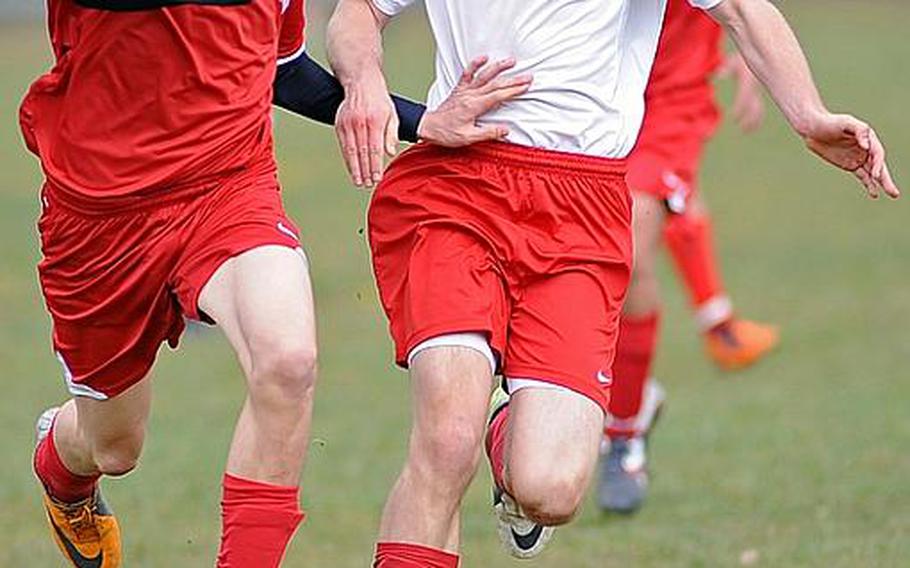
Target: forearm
column 772, row 52
column 354, row 44
column 304, row 87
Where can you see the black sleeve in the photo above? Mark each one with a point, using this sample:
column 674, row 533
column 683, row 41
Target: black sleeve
column 304, row 87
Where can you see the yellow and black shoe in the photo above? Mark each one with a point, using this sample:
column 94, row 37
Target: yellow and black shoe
column 86, row 532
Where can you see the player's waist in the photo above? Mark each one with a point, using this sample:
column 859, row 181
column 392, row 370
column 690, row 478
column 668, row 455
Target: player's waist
column 529, row 157
column 99, row 204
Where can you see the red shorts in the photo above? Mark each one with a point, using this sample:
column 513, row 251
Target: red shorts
column 666, row 159
column 531, row 248
column 119, row 283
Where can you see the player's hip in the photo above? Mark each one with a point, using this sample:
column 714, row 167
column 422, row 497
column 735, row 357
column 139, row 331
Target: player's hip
column 511, row 195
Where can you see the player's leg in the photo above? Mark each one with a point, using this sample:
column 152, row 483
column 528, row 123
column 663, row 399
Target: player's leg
column 551, row 450
column 624, row 475
column 263, row 301
column 108, row 326
column 77, row 444
column 731, row 342
column 450, row 386
column 543, row 445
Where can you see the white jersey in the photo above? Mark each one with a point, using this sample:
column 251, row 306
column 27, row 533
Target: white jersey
column 590, row 60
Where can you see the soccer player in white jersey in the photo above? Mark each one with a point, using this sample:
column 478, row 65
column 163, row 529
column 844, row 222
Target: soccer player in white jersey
column 513, row 257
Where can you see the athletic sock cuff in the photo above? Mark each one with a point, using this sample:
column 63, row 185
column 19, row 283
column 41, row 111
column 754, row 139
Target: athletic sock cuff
column 61, row 483
column 408, row 555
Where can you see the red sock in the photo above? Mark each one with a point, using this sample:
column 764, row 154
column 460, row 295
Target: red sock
column 496, row 445
column 690, row 238
column 61, row 483
column 258, row 521
column 405, row 555
column 634, row 355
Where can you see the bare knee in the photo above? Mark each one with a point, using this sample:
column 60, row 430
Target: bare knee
column 549, row 497
column 118, row 456
column 283, row 373
column 445, row 455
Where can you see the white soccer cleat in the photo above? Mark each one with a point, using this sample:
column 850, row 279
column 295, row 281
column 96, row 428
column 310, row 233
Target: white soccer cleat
column 520, row 536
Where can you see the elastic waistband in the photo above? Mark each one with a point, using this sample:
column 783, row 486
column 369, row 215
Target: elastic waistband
column 539, row 158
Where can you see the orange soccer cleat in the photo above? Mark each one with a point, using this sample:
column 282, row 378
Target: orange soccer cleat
column 87, row 532
column 738, row 343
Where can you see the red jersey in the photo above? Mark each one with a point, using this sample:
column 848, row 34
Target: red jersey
column 147, row 102
column 689, row 52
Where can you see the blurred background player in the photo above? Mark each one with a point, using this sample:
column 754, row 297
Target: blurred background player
column 681, row 116
column 515, row 257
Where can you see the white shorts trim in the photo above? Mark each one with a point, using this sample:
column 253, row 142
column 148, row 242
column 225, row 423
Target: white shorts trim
column 75, row 388
column 516, row 385
column 476, row 341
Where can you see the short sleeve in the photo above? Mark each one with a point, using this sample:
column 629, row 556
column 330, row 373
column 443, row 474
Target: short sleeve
column 291, row 35
column 705, row 4
column 391, row 7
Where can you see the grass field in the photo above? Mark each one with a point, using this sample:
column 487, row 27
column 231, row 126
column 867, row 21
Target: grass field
column 803, row 460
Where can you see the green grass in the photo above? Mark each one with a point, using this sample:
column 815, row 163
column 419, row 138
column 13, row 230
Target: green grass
column 803, row 459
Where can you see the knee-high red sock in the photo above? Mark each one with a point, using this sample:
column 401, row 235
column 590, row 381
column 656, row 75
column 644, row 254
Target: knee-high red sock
column 61, row 483
column 690, row 238
column 405, row 555
column 496, row 445
column 634, row 355
column 258, row 521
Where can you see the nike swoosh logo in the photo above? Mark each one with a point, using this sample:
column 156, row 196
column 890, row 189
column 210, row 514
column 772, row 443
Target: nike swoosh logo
column 77, row 557
column 284, row 229
column 603, row 379
column 527, row 541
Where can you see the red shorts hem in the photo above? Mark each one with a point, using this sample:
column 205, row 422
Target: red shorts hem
column 203, row 274
column 591, row 389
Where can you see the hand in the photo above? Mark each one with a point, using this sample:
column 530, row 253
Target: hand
column 367, row 127
column 852, row 145
column 748, row 105
column 480, row 90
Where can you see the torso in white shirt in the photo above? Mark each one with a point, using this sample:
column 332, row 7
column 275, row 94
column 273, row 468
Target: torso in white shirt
column 590, row 60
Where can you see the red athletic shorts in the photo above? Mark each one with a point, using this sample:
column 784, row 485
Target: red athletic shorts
column 665, row 161
column 531, row 248
column 119, row 283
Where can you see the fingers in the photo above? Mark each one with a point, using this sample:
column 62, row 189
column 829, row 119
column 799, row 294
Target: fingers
column 878, row 166
column 866, row 179
column 506, row 88
column 347, row 141
column 362, row 143
column 376, row 132
column 491, row 72
column 467, row 77
column 888, row 184
column 487, row 132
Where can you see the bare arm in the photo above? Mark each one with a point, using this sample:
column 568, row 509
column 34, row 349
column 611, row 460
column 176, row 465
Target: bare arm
column 366, row 123
column 771, row 50
column 748, row 104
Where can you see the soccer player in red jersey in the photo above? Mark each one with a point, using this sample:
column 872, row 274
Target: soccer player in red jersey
column 514, row 257
column 161, row 202
column 681, row 116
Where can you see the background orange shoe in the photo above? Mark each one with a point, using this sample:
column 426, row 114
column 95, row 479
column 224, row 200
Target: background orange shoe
column 738, row 343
